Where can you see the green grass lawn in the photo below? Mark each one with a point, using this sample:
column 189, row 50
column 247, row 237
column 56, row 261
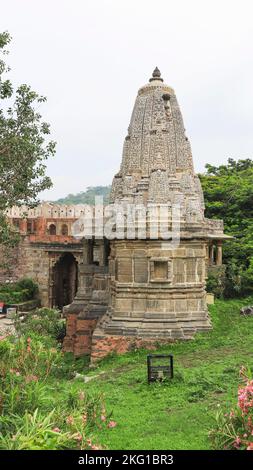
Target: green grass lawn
column 177, row 415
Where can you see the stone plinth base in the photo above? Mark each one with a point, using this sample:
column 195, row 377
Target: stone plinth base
column 108, row 337
column 106, row 344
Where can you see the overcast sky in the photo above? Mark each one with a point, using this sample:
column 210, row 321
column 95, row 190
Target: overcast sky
column 90, row 57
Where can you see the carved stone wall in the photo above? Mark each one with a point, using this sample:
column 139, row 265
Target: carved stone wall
column 39, row 250
column 157, row 292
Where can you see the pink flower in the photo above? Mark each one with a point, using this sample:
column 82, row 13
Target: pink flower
column 89, row 442
column 31, row 378
column 28, row 340
column 94, row 447
column 112, row 424
column 56, row 430
column 78, row 436
column 103, row 418
column 245, row 397
column 84, row 418
column 15, row 371
column 70, row 420
column 250, row 446
column 238, row 440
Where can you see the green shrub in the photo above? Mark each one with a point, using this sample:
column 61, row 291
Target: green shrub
column 38, row 431
column 33, row 432
column 13, row 297
column 233, row 283
column 29, row 285
column 27, row 387
column 24, row 360
column 17, row 292
column 234, row 429
column 228, row 194
column 216, row 282
column 45, row 322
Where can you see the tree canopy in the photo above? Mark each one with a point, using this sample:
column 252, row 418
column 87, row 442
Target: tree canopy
column 24, row 143
column 228, row 192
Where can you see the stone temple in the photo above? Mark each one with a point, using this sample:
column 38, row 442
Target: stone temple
column 130, row 291
column 149, row 290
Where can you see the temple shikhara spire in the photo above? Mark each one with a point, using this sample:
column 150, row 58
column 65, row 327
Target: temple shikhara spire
column 148, row 290
column 135, row 289
column 156, row 75
column 157, row 162
column 157, row 288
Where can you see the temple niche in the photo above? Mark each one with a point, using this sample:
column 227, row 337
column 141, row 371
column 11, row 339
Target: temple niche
column 144, row 291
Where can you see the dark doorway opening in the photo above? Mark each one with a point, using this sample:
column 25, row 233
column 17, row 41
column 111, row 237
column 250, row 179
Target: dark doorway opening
column 52, row 229
column 64, row 280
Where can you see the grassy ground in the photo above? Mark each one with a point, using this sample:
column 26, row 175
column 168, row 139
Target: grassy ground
column 175, row 415
column 180, row 414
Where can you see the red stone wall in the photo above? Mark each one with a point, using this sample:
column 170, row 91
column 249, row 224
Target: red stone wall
column 37, row 252
column 79, row 335
column 102, row 346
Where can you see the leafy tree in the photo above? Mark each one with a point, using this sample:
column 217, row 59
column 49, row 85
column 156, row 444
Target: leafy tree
column 228, row 192
column 24, row 145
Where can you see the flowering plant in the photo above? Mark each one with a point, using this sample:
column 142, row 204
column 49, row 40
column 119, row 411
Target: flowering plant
column 28, row 388
column 234, row 430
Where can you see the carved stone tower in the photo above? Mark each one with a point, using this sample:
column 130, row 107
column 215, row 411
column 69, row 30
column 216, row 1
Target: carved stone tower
column 157, row 288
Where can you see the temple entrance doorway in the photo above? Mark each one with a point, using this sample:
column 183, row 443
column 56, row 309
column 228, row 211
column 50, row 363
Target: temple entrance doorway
column 64, row 280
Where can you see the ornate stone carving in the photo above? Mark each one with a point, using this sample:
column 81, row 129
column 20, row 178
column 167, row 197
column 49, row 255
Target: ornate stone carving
column 157, row 293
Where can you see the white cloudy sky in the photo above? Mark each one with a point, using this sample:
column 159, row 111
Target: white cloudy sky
column 90, row 57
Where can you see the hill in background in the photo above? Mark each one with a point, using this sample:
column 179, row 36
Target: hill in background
column 86, row 197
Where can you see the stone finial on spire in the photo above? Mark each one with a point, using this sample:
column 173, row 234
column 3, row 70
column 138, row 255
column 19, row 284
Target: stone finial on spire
column 156, row 75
